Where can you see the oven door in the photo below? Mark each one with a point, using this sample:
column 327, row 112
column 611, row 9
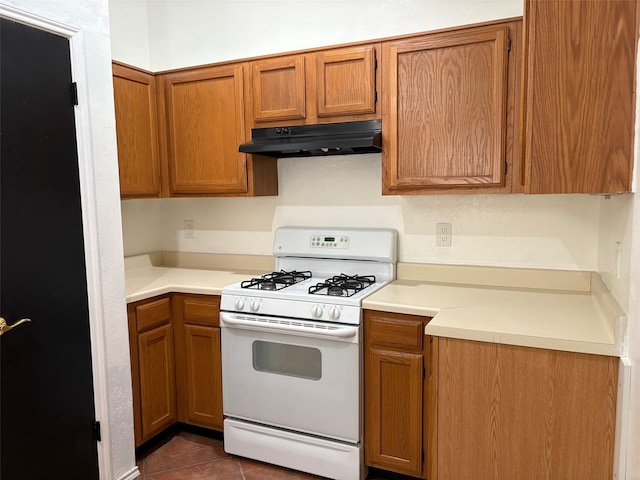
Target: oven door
column 295, row 374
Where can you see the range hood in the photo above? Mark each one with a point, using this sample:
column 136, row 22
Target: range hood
column 345, row 138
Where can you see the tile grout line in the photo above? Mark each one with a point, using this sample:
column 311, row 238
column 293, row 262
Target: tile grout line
column 190, row 465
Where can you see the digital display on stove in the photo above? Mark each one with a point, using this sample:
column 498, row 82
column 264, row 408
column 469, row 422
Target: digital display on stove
column 320, row 241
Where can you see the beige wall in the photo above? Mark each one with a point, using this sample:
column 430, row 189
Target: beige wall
column 184, row 33
column 550, row 231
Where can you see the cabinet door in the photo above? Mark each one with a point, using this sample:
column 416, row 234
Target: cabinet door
column 198, row 360
column 580, row 102
column 152, row 366
column 398, row 410
column 279, row 89
column 204, row 376
column 528, row 413
column 445, row 122
column 346, row 81
column 205, row 124
column 157, row 380
column 136, row 132
column 394, row 418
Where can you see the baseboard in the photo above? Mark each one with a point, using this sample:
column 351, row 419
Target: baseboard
column 131, row 474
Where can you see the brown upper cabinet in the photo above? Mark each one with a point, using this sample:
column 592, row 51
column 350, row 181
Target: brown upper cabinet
column 580, row 102
column 346, row 81
column 204, row 112
column 463, row 111
column 450, row 110
column 326, row 86
column 136, row 132
column 279, row 91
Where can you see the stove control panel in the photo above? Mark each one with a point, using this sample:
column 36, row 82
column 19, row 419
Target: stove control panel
column 325, row 312
column 252, row 304
column 328, row 241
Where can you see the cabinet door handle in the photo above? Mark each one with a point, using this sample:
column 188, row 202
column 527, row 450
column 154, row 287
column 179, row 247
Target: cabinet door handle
column 4, row 328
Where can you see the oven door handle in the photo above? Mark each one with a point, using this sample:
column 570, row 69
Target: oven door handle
column 299, row 327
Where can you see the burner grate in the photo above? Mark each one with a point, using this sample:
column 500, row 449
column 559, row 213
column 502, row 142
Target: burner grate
column 342, row 285
column 276, row 280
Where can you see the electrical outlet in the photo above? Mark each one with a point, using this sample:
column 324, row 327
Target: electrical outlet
column 443, row 234
column 188, row 229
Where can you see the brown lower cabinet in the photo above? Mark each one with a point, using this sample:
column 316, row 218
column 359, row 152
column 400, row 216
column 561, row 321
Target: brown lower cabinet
column 175, row 363
column 508, row 412
column 398, row 394
column 152, row 367
column 448, row 409
column 435, row 408
column 198, row 360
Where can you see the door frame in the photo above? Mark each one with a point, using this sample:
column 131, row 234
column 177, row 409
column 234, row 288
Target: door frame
column 89, row 219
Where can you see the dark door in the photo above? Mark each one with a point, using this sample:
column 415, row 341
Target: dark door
column 46, row 387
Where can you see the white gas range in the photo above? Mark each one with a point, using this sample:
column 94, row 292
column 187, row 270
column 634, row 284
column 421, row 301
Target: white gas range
column 292, row 354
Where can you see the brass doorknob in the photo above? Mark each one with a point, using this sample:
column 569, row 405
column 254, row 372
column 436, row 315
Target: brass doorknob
column 4, row 328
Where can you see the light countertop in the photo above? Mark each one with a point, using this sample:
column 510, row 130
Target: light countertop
column 144, row 279
column 577, row 314
column 571, row 311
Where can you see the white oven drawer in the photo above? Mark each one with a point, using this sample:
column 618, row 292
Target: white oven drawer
column 314, row 455
column 302, row 379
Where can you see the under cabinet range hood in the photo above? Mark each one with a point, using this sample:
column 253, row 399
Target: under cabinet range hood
column 345, row 138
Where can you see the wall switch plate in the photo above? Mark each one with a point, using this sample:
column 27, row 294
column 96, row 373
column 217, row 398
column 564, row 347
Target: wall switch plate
column 443, row 234
column 188, row 229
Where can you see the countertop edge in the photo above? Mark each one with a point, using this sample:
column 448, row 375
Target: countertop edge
column 399, row 308
column 591, row 348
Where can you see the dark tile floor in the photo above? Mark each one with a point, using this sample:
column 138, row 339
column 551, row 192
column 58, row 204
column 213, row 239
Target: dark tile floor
column 188, row 456
column 184, row 455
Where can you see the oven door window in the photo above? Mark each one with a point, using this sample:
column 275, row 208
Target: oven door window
column 290, row 360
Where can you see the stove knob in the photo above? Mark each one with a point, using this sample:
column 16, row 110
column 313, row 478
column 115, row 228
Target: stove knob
column 255, row 305
column 239, row 303
column 316, row 311
column 334, row 313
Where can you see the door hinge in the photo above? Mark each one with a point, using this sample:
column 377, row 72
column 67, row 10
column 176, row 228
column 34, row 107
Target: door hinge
column 97, row 435
column 74, row 93
column 508, row 44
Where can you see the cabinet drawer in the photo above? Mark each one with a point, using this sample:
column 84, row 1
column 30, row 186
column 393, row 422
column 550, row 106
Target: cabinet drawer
column 153, row 314
column 201, row 311
column 394, row 330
